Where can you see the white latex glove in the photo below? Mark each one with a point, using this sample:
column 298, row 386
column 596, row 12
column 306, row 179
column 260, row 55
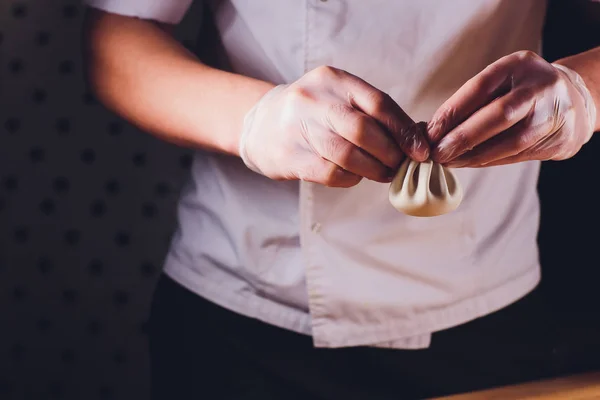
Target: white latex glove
column 329, row 127
column 519, row 108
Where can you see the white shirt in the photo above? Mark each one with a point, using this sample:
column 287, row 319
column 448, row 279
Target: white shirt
column 343, row 265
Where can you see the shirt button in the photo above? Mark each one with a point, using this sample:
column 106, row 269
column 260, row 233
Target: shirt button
column 316, row 227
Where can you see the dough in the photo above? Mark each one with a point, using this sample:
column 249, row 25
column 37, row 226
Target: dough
column 425, row 189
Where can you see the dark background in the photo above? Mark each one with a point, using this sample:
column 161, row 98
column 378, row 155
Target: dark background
column 87, row 207
column 569, row 238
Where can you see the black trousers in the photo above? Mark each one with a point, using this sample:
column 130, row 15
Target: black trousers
column 202, row 351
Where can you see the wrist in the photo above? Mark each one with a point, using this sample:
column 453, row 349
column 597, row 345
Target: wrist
column 586, row 66
column 250, row 122
column 579, row 84
column 250, row 94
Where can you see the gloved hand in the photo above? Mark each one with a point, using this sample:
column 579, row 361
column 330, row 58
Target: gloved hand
column 519, row 108
column 329, row 127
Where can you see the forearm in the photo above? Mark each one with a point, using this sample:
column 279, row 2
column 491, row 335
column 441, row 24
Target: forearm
column 139, row 71
column 587, row 65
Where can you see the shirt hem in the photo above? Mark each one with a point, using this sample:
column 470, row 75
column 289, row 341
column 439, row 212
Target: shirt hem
column 431, row 321
column 245, row 303
column 399, row 335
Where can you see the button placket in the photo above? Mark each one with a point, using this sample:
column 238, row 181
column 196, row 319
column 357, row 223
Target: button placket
column 309, row 248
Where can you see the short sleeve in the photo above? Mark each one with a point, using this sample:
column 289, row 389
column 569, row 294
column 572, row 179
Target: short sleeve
column 167, row 11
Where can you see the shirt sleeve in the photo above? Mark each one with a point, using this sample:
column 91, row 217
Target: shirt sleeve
column 167, row 11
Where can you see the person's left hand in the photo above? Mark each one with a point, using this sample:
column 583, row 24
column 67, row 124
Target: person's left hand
column 517, row 109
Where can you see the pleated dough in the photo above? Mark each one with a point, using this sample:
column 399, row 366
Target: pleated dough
column 425, row 189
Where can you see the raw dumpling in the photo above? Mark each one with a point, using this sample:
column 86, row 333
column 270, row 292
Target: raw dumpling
column 425, row 189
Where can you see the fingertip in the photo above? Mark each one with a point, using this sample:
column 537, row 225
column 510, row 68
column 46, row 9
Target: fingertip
column 422, row 154
column 434, row 130
column 435, row 156
column 421, row 142
column 418, row 149
column 419, row 156
column 431, row 130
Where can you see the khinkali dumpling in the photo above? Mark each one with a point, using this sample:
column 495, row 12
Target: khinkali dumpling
column 425, row 189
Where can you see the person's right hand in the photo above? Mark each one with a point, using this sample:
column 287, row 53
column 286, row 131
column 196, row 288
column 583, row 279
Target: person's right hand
column 332, row 128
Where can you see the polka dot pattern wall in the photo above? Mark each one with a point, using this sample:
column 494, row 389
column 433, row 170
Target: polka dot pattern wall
column 87, row 207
